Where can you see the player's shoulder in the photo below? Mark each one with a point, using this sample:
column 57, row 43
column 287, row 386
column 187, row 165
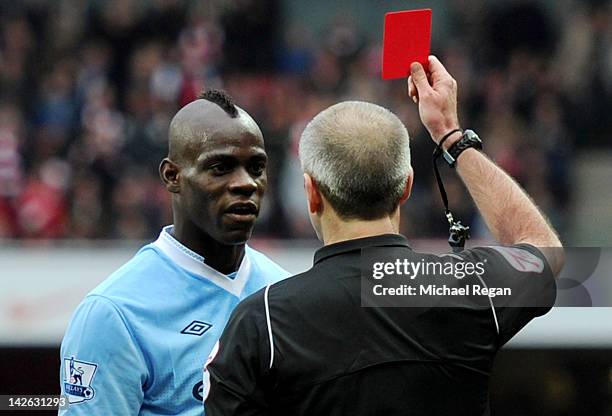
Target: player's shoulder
column 268, row 266
column 98, row 309
column 130, row 292
column 136, row 276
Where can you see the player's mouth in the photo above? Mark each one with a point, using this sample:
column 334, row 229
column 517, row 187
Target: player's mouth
column 242, row 211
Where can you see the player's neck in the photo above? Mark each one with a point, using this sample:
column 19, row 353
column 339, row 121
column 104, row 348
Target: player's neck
column 335, row 230
column 221, row 257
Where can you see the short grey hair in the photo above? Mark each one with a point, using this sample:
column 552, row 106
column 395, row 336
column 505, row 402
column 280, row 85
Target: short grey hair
column 358, row 154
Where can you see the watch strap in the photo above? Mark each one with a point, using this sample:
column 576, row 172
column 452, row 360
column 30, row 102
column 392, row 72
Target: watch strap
column 469, row 139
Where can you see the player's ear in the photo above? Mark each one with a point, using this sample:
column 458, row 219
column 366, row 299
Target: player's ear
column 313, row 195
column 407, row 188
column 169, row 172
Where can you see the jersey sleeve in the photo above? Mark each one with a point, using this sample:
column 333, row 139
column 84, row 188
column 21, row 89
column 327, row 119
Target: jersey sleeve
column 525, row 271
column 102, row 369
column 235, row 373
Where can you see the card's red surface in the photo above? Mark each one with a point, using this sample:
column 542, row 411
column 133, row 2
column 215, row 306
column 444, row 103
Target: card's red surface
column 406, row 39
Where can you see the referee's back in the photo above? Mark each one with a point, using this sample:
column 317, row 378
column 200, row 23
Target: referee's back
column 306, row 346
column 338, row 358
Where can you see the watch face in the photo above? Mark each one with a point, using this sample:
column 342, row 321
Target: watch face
column 472, row 136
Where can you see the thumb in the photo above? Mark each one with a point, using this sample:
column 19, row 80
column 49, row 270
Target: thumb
column 419, row 77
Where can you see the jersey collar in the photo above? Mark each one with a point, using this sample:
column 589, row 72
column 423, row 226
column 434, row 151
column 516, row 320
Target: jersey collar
column 383, row 240
column 194, row 263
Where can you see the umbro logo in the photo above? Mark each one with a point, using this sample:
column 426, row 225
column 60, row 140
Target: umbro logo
column 196, row 328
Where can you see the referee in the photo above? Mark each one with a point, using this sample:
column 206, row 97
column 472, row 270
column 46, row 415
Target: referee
column 306, row 346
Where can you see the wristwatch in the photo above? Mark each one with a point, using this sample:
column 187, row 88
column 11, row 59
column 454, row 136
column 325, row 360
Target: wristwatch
column 469, row 139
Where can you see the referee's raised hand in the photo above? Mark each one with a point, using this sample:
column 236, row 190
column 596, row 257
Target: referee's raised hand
column 436, row 95
column 435, row 92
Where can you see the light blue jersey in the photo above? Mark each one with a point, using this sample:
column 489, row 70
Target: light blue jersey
column 137, row 343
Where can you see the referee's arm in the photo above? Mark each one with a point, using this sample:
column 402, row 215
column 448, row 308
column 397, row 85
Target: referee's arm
column 235, row 374
column 509, row 212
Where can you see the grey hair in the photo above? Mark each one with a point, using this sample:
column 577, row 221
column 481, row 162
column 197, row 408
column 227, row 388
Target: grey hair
column 358, row 154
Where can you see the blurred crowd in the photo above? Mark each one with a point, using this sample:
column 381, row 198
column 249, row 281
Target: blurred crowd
column 88, row 88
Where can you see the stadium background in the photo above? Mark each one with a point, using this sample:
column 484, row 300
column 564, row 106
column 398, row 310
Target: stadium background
column 87, row 89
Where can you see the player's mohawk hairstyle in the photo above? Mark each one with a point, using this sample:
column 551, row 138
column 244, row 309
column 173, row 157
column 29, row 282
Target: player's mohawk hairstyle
column 222, row 99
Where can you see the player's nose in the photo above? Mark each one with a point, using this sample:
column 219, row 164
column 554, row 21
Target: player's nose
column 242, row 183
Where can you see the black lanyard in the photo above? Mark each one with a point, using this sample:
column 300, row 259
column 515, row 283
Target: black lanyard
column 458, row 233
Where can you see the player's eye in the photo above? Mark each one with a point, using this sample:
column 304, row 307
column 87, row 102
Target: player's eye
column 258, row 168
column 220, row 168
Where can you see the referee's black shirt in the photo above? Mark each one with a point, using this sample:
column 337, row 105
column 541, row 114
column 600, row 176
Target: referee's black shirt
column 306, row 346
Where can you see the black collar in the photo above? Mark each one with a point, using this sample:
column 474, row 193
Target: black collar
column 382, row 240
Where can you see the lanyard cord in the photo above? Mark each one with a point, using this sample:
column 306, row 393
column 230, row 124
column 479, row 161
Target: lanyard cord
column 458, row 233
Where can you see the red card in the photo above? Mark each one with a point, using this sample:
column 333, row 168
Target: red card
column 406, row 39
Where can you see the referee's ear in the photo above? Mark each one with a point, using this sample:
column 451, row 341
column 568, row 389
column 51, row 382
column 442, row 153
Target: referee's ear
column 407, row 189
column 313, row 195
column 169, row 174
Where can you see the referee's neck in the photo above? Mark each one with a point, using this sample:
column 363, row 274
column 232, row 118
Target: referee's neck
column 335, row 229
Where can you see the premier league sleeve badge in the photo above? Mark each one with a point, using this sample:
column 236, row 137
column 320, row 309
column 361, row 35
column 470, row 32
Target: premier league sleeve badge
column 78, row 376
